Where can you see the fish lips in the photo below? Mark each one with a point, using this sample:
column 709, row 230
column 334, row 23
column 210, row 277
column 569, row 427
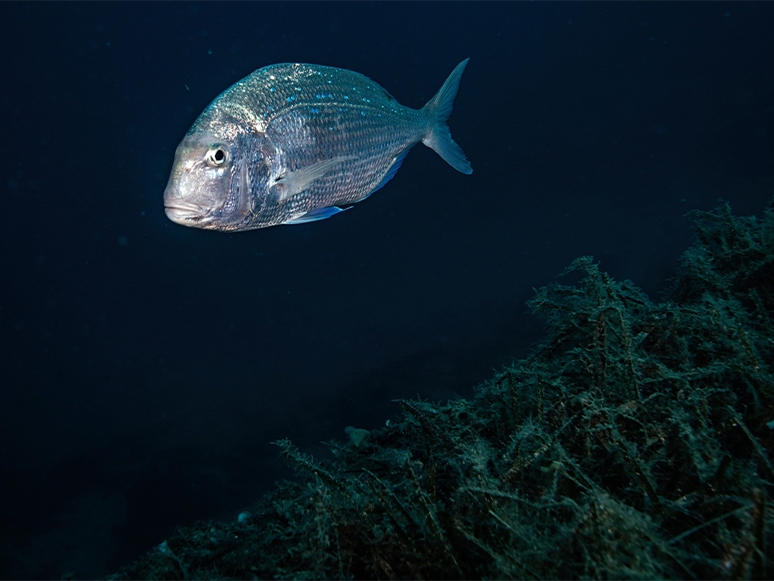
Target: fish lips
column 184, row 213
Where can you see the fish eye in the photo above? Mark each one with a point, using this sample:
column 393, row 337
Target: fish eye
column 216, row 156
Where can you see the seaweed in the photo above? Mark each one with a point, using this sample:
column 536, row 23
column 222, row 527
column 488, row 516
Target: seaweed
column 634, row 442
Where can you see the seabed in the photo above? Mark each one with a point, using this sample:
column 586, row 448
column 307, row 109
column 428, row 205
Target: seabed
column 635, row 442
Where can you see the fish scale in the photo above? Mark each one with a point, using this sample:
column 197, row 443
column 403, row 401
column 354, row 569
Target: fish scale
column 292, row 142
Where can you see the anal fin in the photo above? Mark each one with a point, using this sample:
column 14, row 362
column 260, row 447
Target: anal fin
column 390, row 172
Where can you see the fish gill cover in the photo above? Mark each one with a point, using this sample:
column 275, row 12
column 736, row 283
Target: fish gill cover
column 635, row 442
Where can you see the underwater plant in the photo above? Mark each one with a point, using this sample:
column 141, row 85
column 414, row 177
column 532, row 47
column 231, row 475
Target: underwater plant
column 634, row 442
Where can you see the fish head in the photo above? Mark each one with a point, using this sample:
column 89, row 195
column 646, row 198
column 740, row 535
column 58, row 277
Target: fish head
column 208, row 187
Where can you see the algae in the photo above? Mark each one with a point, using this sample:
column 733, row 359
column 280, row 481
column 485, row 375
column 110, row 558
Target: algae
column 632, row 443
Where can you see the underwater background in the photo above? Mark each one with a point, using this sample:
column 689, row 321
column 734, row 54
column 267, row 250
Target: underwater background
column 146, row 367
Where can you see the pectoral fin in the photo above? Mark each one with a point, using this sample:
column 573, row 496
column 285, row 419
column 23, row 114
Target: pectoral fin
column 297, row 181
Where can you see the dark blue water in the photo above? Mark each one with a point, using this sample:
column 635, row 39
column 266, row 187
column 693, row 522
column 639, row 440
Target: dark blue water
column 146, row 367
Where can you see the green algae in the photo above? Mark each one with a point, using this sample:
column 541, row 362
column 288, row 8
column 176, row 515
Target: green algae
column 634, row 442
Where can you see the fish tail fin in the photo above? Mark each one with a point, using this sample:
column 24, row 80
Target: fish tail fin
column 440, row 107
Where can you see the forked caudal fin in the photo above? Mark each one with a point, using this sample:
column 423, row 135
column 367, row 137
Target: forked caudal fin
column 440, row 106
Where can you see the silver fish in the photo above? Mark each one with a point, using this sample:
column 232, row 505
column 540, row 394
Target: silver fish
column 292, row 143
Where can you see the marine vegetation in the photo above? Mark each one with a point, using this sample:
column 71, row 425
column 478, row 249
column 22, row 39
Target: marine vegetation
column 634, row 442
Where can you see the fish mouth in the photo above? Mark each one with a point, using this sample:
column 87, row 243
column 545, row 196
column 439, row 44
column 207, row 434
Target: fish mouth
column 183, row 212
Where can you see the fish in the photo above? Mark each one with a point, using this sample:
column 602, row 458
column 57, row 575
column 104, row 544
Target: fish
column 294, row 143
